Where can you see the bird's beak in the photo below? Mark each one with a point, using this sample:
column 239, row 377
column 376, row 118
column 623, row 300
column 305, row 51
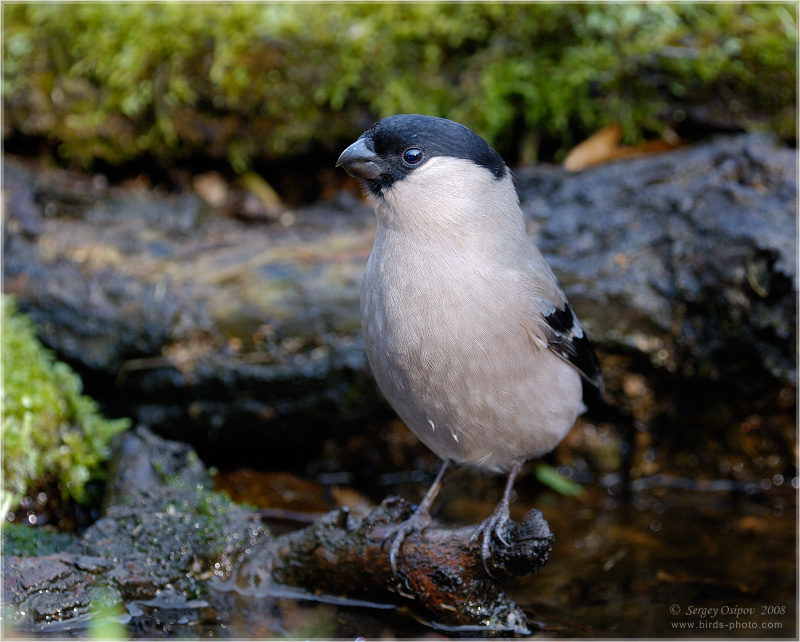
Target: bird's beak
column 360, row 161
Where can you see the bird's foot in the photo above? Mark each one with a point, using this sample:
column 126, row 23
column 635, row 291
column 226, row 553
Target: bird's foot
column 492, row 525
column 419, row 519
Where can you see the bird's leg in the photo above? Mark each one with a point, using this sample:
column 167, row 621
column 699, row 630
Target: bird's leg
column 419, row 519
column 495, row 522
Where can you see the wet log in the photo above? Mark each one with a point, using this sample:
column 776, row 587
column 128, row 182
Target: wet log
column 441, row 576
column 165, row 542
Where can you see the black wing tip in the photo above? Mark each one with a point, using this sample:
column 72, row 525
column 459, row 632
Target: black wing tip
column 583, row 357
column 570, row 343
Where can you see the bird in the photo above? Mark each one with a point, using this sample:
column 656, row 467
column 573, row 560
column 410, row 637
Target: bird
column 467, row 332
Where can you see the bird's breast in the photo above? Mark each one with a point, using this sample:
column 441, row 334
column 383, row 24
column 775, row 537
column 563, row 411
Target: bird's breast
column 420, row 311
column 449, row 348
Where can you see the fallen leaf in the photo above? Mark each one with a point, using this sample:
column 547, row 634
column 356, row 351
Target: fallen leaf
column 604, row 146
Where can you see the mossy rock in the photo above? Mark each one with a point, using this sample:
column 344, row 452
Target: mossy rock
column 50, row 429
column 25, row 540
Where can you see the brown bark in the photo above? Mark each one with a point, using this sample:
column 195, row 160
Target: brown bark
column 441, row 575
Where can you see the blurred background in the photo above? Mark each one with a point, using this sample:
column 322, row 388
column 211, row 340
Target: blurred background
column 180, row 253
column 236, row 86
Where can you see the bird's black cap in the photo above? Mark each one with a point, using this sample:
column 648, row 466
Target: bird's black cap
column 388, row 151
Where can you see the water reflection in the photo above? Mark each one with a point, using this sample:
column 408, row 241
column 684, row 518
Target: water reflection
column 670, row 561
column 646, row 567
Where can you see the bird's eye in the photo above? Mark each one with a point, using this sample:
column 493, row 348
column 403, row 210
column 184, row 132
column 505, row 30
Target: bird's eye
column 413, row 155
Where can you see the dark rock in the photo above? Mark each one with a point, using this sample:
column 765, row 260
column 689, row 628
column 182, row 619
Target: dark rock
column 688, row 256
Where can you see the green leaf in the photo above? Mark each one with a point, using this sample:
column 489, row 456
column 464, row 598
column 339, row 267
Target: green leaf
column 551, row 478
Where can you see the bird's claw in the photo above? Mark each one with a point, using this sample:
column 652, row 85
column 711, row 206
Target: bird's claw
column 493, row 525
column 398, row 533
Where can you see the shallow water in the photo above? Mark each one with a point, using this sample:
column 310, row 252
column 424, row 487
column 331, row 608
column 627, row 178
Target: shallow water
column 668, row 561
column 665, row 563
column 674, row 563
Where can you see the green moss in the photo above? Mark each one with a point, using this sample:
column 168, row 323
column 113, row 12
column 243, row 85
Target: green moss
column 25, row 540
column 49, row 428
column 261, row 81
column 176, row 536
